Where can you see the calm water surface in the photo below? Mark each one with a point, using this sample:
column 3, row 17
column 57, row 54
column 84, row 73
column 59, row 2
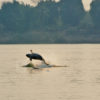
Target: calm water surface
column 80, row 80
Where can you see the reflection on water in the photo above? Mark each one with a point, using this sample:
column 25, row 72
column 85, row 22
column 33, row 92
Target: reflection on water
column 80, row 80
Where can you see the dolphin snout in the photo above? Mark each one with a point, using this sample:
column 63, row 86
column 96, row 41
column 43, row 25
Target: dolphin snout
column 28, row 55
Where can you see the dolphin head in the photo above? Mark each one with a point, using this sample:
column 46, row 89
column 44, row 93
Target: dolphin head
column 28, row 55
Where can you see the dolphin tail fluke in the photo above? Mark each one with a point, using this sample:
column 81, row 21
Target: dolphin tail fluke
column 45, row 62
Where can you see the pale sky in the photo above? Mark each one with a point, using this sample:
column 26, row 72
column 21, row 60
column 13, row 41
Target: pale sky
column 34, row 2
column 87, row 4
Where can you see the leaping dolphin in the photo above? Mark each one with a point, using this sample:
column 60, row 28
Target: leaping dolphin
column 35, row 56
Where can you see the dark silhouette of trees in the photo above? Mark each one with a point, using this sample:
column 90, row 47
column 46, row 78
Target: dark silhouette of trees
column 49, row 22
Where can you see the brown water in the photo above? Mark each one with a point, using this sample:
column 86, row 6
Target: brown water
column 80, row 80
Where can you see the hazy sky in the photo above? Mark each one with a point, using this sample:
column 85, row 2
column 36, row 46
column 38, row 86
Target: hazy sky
column 87, row 4
column 32, row 2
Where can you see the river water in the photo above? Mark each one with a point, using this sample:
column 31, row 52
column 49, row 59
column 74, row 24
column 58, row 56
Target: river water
column 79, row 80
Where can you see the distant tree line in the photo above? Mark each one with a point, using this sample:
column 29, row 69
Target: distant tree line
column 50, row 22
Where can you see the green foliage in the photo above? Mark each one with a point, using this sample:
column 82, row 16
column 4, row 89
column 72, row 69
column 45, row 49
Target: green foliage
column 49, row 22
column 95, row 13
